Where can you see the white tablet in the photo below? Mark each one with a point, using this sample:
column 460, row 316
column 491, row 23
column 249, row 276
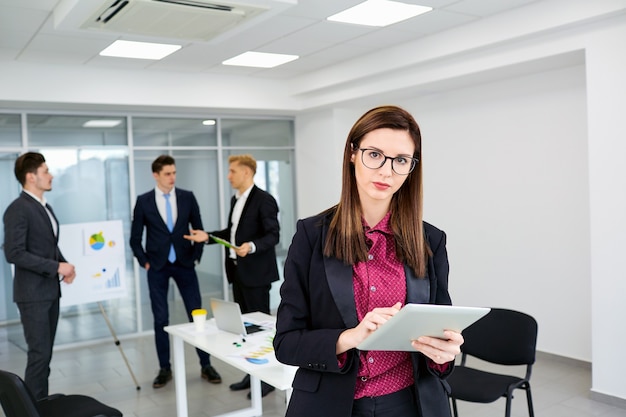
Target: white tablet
column 415, row 320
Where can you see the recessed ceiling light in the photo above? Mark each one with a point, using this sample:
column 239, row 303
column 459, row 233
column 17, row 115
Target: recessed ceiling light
column 209, row 122
column 379, row 13
column 139, row 50
column 102, row 123
column 260, row 60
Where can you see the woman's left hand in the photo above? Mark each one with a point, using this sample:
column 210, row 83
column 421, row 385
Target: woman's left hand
column 438, row 350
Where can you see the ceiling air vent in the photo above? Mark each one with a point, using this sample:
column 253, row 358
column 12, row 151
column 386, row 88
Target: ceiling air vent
column 179, row 19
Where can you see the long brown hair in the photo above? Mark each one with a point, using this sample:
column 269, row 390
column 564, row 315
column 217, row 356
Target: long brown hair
column 346, row 237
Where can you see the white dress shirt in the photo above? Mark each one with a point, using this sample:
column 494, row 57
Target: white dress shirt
column 236, row 216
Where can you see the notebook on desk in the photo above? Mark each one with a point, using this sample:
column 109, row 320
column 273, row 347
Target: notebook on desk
column 228, row 318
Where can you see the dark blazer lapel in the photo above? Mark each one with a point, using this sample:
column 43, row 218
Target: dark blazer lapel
column 417, row 289
column 152, row 210
column 249, row 200
column 233, row 201
column 181, row 206
column 49, row 207
column 42, row 212
column 339, row 278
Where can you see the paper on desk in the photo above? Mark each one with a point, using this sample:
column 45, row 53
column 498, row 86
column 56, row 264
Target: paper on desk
column 258, row 350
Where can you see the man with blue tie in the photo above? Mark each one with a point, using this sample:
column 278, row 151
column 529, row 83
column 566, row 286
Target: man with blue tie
column 167, row 213
column 31, row 236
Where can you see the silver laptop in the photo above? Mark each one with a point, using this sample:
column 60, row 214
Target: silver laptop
column 229, row 319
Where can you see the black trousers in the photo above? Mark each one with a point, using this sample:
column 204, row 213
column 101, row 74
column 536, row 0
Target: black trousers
column 397, row 404
column 158, row 283
column 39, row 320
column 250, row 299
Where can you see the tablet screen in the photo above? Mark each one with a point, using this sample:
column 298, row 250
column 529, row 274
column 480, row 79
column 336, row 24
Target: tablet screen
column 415, row 320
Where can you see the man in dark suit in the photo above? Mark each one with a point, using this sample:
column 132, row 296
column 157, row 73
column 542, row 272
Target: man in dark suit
column 167, row 213
column 31, row 235
column 253, row 228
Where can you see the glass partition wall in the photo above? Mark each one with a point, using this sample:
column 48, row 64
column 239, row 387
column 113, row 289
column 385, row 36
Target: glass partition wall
column 100, row 163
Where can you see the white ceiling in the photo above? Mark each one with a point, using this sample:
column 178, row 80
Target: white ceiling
column 28, row 35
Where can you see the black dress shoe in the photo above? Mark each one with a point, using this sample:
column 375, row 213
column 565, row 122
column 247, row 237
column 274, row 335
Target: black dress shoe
column 241, row 385
column 210, row 374
column 164, row 376
column 265, row 389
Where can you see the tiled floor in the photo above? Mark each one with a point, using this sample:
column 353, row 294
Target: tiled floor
column 560, row 387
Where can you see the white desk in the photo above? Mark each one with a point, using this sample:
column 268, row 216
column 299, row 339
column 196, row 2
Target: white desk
column 224, row 346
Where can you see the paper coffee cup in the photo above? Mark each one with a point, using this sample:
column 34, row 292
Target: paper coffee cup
column 199, row 318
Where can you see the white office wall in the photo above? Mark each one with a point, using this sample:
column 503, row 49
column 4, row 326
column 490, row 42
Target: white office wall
column 505, row 167
column 606, row 90
column 79, row 85
column 320, row 137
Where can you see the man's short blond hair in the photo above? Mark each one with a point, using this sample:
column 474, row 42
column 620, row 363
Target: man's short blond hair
column 245, row 160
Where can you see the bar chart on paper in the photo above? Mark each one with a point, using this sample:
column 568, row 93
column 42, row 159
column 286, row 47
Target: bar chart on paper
column 114, row 281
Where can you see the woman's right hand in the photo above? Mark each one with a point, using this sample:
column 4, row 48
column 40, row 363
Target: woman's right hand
column 352, row 337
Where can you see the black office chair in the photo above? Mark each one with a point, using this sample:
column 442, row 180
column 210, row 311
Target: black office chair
column 18, row 401
column 503, row 337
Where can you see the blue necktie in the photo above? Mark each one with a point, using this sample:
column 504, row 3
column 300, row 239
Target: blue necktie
column 170, row 225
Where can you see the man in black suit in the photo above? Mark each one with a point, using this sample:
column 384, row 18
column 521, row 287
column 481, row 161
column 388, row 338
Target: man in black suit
column 167, row 213
column 31, row 235
column 253, row 228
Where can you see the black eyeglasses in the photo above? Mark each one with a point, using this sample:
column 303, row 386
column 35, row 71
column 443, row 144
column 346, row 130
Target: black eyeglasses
column 374, row 159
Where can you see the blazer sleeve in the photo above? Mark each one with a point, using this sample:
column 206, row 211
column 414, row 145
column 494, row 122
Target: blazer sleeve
column 439, row 267
column 195, row 221
column 224, row 233
column 307, row 324
column 17, row 222
column 136, row 233
column 268, row 217
column 439, row 263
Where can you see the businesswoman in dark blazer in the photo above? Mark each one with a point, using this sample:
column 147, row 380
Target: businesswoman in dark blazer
column 352, row 267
